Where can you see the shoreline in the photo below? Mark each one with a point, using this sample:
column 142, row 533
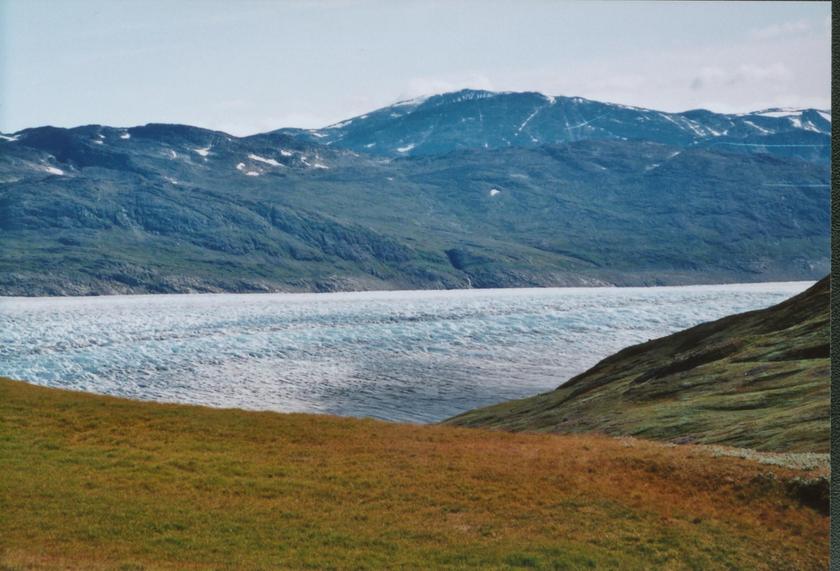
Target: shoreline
column 420, row 293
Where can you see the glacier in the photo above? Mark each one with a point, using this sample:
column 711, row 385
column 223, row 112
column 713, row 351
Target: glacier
column 414, row 356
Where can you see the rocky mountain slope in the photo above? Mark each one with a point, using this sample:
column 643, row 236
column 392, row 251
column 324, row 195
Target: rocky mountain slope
column 174, row 208
column 472, row 119
column 755, row 380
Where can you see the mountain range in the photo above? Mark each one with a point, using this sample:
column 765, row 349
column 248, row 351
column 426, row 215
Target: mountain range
column 465, row 189
column 472, row 119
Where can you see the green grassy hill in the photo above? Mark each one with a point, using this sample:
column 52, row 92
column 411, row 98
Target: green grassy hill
column 755, row 380
column 90, row 482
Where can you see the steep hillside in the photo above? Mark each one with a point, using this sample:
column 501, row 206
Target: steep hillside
column 175, row 209
column 95, row 483
column 755, row 380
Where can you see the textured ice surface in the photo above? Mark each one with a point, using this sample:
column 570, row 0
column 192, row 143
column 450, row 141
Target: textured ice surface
column 411, row 355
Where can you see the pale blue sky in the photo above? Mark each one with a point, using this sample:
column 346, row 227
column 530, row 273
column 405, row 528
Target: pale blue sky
column 250, row 66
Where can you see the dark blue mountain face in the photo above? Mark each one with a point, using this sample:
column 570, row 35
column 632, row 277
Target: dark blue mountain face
column 468, row 189
column 486, row 120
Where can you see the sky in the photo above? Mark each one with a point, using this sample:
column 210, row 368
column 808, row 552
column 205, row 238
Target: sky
column 255, row 65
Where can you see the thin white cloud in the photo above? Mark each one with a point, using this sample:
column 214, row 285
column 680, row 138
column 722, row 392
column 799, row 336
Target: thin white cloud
column 746, row 73
column 783, row 29
column 793, row 70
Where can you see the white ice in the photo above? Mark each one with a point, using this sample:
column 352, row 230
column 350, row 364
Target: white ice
column 758, row 127
column 401, row 355
column 258, row 158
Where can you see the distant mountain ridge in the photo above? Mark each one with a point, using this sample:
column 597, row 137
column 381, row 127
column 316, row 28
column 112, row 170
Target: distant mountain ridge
column 477, row 119
column 472, row 119
column 175, row 208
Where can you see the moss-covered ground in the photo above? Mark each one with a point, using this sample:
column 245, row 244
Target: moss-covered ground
column 92, row 482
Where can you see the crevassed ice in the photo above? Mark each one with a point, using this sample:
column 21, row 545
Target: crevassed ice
column 411, row 356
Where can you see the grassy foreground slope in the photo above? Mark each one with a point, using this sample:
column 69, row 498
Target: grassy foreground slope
column 91, row 482
column 754, row 380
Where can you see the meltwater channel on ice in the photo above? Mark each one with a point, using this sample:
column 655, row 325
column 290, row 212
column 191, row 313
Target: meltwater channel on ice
column 417, row 356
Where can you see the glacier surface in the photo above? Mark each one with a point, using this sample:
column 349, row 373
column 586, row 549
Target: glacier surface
column 417, row 356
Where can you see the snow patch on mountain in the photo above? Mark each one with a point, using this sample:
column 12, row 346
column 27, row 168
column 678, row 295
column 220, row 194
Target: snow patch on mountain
column 759, row 128
column 340, row 124
column 525, row 122
column 271, row 162
column 668, row 117
column 808, row 126
column 408, row 102
column 779, row 112
column 695, row 128
column 469, row 95
column 585, row 123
